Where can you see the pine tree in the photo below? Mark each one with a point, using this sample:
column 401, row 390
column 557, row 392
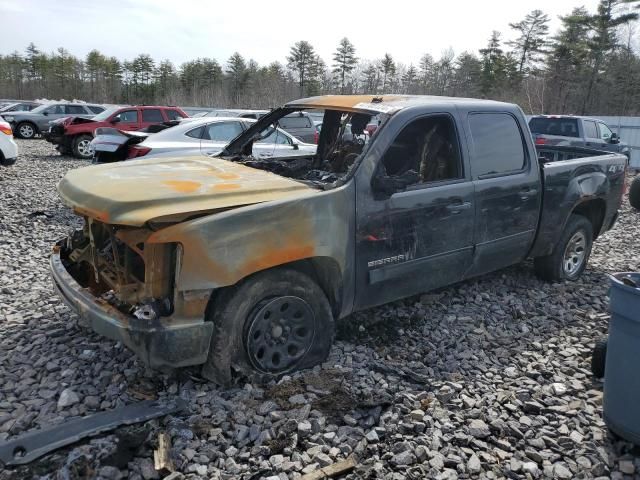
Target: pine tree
column 238, row 76
column 388, row 70
column 300, row 58
column 345, row 61
column 532, row 39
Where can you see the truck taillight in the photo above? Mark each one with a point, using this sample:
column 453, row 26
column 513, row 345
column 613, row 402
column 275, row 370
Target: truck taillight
column 137, row 151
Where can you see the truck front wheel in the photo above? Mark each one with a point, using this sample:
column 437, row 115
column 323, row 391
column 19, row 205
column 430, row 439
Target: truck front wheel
column 82, row 146
column 634, row 193
column 570, row 256
column 275, row 322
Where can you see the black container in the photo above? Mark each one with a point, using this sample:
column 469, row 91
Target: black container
column 621, row 404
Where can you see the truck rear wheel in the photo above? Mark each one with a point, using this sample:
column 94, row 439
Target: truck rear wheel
column 634, row 193
column 275, row 322
column 570, row 255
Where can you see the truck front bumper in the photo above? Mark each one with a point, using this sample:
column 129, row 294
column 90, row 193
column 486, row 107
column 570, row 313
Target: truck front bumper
column 158, row 343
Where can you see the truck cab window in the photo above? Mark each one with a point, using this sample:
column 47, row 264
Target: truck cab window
column 497, row 144
column 425, row 151
column 605, row 132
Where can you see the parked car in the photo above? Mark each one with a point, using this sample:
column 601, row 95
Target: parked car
column 74, row 134
column 199, row 136
column 244, row 264
column 576, row 131
column 19, row 107
column 300, row 125
column 35, row 122
column 237, row 113
column 8, row 147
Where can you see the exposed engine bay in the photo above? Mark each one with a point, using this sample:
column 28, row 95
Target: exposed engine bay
column 341, row 142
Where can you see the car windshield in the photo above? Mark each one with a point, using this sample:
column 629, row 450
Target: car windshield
column 105, row 114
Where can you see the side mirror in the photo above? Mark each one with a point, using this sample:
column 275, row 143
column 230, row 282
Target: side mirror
column 115, row 120
column 46, row 114
column 614, row 138
column 295, row 146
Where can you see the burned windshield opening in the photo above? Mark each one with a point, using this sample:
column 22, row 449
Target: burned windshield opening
column 320, row 148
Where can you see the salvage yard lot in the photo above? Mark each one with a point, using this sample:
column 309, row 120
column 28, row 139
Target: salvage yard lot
column 486, row 379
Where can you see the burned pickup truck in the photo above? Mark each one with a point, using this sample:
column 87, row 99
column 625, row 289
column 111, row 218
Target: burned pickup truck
column 243, row 264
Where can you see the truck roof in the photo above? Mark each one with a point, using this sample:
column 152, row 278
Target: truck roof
column 387, row 103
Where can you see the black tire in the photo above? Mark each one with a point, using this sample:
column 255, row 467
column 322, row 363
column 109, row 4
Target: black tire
column 598, row 358
column 26, row 130
column 634, row 193
column 552, row 267
column 244, row 324
column 81, row 148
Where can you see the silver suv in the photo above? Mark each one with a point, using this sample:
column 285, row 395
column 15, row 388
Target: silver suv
column 30, row 124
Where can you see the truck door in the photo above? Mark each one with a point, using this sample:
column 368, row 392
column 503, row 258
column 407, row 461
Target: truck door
column 605, row 135
column 591, row 136
column 414, row 226
column 507, row 190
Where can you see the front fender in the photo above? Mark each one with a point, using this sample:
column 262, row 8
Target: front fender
column 222, row 249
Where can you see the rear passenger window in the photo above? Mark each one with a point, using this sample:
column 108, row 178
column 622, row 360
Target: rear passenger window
column 195, row 133
column 497, row 144
column 173, row 114
column 295, row 122
column 222, row 131
column 152, row 115
column 95, row 109
column 590, row 129
column 424, row 151
column 75, row 110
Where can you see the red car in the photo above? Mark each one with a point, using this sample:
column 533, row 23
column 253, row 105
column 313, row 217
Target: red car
column 74, row 134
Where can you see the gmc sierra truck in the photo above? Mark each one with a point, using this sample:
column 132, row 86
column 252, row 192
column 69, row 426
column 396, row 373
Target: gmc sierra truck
column 243, row 264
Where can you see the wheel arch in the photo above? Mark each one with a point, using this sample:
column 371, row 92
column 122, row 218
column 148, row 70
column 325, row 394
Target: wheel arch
column 325, row 271
column 594, row 210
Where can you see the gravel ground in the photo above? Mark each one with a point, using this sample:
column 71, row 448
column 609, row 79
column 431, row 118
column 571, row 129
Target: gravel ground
column 485, row 379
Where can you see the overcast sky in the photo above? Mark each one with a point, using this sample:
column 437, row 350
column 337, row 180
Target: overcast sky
column 181, row 30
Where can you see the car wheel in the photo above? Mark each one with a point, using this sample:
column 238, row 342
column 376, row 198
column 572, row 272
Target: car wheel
column 598, row 358
column 82, row 146
column 634, row 193
column 275, row 322
column 26, row 130
column 571, row 254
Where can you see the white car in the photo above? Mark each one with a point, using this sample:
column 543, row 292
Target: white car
column 209, row 135
column 8, row 147
column 198, row 136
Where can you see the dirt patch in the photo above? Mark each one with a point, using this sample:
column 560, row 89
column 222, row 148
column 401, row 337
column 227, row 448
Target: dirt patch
column 329, row 387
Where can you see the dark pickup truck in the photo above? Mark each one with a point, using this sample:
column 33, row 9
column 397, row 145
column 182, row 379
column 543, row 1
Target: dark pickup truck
column 243, row 264
column 574, row 131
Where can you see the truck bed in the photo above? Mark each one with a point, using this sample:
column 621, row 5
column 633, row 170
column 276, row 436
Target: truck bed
column 571, row 176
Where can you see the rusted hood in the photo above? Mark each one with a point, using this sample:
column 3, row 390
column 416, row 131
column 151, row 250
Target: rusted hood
column 134, row 192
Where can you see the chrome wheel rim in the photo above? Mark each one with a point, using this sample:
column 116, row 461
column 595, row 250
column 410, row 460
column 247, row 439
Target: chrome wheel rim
column 84, row 148
column 574, row 253
column 281, row 331
column 26, row 131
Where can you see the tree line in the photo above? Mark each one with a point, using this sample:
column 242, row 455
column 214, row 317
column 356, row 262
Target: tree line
column 591, row 65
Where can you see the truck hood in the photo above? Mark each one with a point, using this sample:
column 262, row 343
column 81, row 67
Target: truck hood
column 138, row 191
